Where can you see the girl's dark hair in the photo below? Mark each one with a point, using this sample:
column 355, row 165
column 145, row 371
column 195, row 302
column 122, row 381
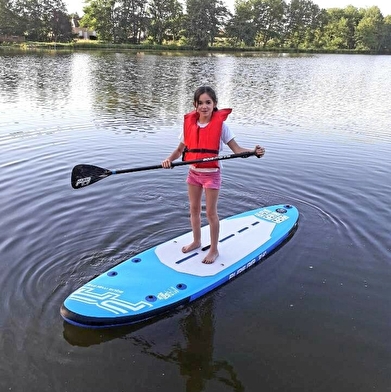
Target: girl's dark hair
column 205, row 90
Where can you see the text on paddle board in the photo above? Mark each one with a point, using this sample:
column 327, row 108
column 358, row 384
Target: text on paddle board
column 168, row 293
column 272, row 216
column 248, row 265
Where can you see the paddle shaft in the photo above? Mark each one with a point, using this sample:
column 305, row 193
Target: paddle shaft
column 181, row 163
column 84, row 175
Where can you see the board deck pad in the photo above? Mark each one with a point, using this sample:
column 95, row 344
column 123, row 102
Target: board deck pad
column 249, row 231
column 163, row 277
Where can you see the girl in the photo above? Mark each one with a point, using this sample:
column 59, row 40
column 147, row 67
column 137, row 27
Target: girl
column 204, row 133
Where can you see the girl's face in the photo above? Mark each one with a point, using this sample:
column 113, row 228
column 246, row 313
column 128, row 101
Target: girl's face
column 204, row 107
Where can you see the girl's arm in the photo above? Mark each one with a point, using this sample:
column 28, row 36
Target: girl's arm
column 174, row 155
column 236, row 149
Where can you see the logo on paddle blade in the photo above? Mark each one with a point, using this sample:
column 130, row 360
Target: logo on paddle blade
column 83, row 181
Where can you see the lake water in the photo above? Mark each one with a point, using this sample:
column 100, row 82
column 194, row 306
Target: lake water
column 314, row 316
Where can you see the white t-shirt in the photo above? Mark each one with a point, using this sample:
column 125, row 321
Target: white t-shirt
column 226, row 136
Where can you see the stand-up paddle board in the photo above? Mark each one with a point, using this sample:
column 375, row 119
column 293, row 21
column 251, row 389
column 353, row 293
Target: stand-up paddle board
column 162, row 278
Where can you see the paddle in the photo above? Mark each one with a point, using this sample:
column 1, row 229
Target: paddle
column 84, row 175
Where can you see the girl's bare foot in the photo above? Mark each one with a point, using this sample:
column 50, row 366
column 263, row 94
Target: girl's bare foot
column 190, row 247
column 210, row 257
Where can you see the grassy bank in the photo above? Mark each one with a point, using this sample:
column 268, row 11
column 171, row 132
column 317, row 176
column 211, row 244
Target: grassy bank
column 100, row 45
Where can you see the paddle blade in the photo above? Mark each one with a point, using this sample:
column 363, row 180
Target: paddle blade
column 84, row 175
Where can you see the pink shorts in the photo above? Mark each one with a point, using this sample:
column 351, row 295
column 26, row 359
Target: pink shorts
column 211, row 180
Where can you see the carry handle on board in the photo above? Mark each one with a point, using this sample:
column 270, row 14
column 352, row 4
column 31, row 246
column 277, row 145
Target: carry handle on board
column 84, row 175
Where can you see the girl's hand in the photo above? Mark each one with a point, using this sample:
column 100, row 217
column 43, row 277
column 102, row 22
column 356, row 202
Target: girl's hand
column 259, row 151
column 166, row 164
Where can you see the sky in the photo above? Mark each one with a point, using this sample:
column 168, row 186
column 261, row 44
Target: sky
column 384, row 5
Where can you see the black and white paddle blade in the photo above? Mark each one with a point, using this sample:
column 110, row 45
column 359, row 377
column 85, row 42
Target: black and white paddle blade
column 84, row 175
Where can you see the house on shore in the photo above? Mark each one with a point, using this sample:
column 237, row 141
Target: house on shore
column 12, row 38
column 82, row 32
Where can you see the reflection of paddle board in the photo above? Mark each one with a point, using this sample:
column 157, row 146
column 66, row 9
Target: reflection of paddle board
column 162, row 278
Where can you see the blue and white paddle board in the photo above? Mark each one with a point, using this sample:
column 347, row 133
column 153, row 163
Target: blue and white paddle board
column 162, row 278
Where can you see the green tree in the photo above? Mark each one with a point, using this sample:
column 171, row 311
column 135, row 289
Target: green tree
column 268, row 19
column 61, row 28
column 38, row 19
column 204, row 20
column 166, row 16
column 10, row 22
column 116, row 21
column 240, row 28
column 336, row 32
column 339, row 30
column 370, row 30
column 132, row 20
column 99, row 16
column 353, row 16
column 387, row 34
column 303, row 18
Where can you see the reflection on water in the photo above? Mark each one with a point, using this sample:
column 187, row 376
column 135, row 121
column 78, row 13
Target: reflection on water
column 190, row 347
column 137, row 92
column 318, row 307
column 195, row 357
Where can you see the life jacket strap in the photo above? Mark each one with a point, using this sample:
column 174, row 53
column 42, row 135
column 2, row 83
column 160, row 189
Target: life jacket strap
column 201, row 150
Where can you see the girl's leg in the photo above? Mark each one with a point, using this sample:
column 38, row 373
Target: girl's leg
column 195, row 194
column 212, row 196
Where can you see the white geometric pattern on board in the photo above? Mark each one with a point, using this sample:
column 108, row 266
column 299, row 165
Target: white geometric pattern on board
column 106, row 300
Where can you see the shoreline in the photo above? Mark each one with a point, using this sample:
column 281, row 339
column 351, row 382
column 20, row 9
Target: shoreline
column 94, row 45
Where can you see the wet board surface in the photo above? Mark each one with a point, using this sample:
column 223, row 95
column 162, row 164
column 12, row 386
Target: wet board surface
column 163, row 277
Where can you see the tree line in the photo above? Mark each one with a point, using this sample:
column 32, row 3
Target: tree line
column 201, row 24
column 37, row 20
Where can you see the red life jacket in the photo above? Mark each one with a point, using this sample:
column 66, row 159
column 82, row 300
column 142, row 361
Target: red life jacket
column 203, row 142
